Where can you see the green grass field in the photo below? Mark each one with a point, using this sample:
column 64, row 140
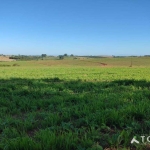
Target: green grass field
column 74, row 104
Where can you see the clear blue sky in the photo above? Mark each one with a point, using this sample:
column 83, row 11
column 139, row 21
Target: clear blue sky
column 81, row 27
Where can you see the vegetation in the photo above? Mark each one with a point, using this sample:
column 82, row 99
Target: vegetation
column 61, row 57
column 43, row 56
column 25, row 58
column 74, row 104
column 65, row 55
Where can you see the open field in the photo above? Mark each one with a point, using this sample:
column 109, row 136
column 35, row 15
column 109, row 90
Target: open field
column 74, row 104
column 85, row 61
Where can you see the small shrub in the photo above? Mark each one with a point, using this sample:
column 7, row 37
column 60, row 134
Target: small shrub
column 16, row 65
column 3, row 65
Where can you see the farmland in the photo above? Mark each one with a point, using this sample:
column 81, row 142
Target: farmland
column 74, row 104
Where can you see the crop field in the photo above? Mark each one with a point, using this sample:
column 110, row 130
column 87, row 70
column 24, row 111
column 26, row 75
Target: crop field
column 83, row 104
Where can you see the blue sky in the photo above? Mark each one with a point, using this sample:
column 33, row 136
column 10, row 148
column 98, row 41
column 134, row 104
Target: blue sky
column 80, row 27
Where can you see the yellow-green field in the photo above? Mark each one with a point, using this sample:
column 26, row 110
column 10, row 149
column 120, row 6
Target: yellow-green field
column 74, row 104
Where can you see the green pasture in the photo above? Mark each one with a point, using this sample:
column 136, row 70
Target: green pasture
column 74, row 104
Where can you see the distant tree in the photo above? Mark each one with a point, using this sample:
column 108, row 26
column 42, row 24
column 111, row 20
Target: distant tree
column 65, row 55
column 43, row 55
column 61, row 57
column 71, row 55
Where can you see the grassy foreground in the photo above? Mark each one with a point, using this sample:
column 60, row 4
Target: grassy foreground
column 72, row 107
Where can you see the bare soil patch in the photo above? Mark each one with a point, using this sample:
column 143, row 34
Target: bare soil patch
column 6, row 58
